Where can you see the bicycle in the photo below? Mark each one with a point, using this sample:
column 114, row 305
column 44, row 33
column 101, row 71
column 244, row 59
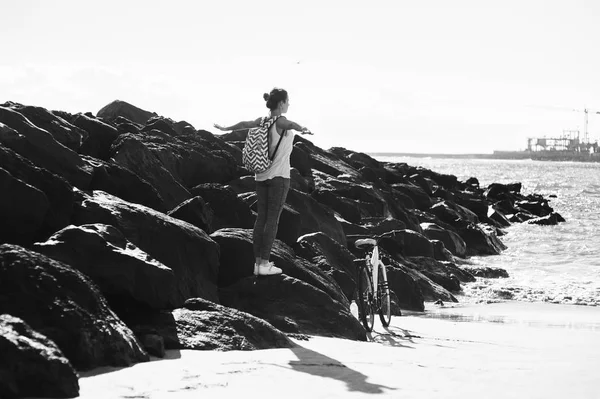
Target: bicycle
column 372, row 284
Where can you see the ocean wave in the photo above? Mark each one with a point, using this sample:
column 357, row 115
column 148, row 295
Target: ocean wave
column 493, row 291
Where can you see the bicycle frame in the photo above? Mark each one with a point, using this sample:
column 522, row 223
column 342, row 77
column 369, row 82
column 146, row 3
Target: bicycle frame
column 374, row 266
column 376, row 263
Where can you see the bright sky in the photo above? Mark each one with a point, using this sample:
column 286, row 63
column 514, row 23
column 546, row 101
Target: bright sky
column 441, row 76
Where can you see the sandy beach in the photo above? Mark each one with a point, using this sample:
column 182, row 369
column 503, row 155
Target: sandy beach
column 504, row 350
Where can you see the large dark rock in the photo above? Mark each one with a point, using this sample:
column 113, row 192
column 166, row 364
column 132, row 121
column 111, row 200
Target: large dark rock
column 429, row 289
column 497, row 216
column 300, row 160
column 406, row 217
column 480, row 240
column 131, row 152
column 365, row 195
column 228, row 209
column 123, row 183
column 422, row 182
column 353, row 201
column 315, row 216
column 58, row 191
column 351, row 229
column 332, row 258
column 452, row 241
column 448, row 182
column 357, row 159
column 293, row 306
column 486, row 271
column 440, row 252
column 394, row 173
column 419, row 197
column 444, row 273
column 415, row 244
column 289, row 225
column 241, row 185
column 100, row 136
column 350, row 209
column 31, row 364
column 498, row 191
column 405, row 242
column 195, row 211
column 37, row 145
column 322, row 160
column 478, row 206
column 405, row 284
column 164, row 125
column 215, row 143
column 126, row 275
column 538, row 207
column 453, row 214
column 549, row 220
column 64, row 305
column 121, row 108
column 377, row 226
column 204, row 325
column 184, row 248
column 23, row 209
column 64, row 132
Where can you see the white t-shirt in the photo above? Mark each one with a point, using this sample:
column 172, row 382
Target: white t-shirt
column 281, row 163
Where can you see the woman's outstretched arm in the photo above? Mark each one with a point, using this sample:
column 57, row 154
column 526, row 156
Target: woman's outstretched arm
column 240, row 125
column 286, row 124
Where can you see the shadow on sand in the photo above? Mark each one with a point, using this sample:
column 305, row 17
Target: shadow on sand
column 171, row 354
column 317, row 364
column 393, row 336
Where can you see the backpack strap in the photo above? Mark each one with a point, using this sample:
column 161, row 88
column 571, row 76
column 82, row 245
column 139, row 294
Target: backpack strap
column 277, row 146
column 273, row 121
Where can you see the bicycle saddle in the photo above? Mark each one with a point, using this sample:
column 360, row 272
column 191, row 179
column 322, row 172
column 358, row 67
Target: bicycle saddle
column 365, row 242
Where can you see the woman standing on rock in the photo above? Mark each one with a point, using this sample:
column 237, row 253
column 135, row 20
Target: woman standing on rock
column 273, row 184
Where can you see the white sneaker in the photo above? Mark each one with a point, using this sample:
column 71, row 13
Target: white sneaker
column 255, row 269
column 268, row 270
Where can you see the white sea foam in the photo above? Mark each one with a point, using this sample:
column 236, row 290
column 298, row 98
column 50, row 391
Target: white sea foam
column 559, row 264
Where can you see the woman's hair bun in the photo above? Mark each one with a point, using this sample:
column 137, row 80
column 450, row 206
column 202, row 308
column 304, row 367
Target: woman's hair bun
column 275, row 97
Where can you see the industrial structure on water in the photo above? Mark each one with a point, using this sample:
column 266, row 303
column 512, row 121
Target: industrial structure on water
column 567, row 147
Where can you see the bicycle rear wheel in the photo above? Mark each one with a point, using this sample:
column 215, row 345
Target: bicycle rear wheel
column 365, row 299
column 383, row 292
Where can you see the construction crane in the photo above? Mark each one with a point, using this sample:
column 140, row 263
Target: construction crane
column 569, row 140
column 586, row 111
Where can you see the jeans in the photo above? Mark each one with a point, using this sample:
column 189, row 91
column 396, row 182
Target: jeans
column 271, row 197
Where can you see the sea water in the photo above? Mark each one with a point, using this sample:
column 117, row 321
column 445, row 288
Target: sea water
column 558, row 264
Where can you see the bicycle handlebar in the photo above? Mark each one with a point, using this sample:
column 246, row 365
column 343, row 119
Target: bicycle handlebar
column 373, row 236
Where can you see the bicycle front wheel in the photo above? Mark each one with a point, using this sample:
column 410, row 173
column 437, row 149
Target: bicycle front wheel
column 383, row 293
column 365, row 299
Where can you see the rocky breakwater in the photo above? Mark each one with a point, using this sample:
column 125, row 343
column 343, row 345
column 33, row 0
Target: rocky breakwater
column 126, row 233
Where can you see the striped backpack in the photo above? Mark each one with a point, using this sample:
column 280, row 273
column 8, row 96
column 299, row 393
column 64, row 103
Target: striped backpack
column 255, row 154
